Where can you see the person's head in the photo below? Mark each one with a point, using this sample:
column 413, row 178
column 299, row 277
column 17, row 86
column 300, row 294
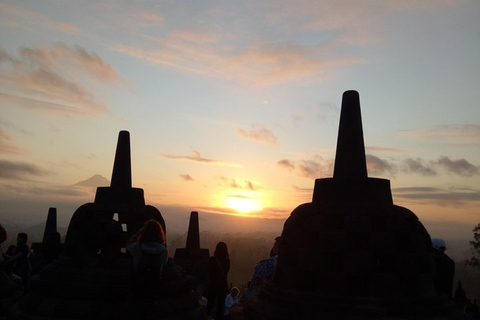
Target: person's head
column 234, row 292
column 152, row 231
column 439, row 244
column 221, row 251
column 22, row 238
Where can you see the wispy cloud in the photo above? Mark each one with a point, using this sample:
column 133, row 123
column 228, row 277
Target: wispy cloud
column 232, row 183
column 376, row 166
column 286, row 164
column 259, row 133
column 196, row 157
column 314, row 168
column 383, row 149
column 438, row 196
column 52, row 79
column 6, row 145
column 319, row 167
column 463, row 135
column 422, row 167
column 186, row 177
column 48, row 191
column 418, row 166
column 460, row 167
column 216, row 55
column 17, row 16
column 20, row 170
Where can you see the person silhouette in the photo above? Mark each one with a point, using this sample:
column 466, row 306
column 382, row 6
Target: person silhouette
column 150, row 255
column 444, row 267
column 218, row 267
column 22, row 267
column 265, row 269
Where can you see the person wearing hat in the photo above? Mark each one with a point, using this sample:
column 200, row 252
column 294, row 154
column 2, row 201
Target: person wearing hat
column 444, row 268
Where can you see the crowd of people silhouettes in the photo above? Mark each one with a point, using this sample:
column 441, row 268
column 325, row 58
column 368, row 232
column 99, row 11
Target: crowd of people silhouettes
column 149, row 253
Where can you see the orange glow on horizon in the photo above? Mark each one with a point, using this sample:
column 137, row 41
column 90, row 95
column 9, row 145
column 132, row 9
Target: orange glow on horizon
column 242, row 204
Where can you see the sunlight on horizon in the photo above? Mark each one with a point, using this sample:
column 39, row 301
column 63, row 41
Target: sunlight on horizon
column 243, row 204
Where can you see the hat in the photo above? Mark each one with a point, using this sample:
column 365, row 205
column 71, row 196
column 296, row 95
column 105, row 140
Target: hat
column 439, row 244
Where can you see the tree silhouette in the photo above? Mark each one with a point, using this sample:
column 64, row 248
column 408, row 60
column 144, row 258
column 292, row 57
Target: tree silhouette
column 474, row 261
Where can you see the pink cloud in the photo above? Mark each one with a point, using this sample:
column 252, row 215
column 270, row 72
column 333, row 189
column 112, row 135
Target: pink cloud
column 54, row 79
column 260, row 65
column 6, row 145
column 196, row 157
column 259, row 134
column 11, row 15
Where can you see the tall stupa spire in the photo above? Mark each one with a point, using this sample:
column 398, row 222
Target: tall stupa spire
column 350, row 161
column 122, row 167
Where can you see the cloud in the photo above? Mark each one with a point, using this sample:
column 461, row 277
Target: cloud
column 462, row 135
column 20, row 170
column 377, row 166
column 229, row 182
column 418, row 166
column 310, row 169
column 16, row 16
column 48, row 191
column 54, row 79
column 196, row 36
column 232, row 183
column 5, row 144
column 319, row 167
column 461, row 167
column 196, row 157
column 383, row 149
column 186, row 177
column 284, row 163
column 314, row 168
column 259, row 134
column 302, row 194
column 218, row 56
column 438, row 196
column 77, row 59
column 408, row 4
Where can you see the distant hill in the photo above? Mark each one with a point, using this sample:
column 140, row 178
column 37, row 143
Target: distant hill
column 95, row 181
column 177, row 219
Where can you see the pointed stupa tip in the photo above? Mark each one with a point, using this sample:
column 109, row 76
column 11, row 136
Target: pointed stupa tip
column 350, row 161
column 122, row 167
column 193, row 235
column 50, row 226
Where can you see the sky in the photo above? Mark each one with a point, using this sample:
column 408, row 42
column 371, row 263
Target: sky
column 233, row 106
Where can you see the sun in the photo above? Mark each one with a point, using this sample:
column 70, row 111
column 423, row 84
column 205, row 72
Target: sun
column 243, row 204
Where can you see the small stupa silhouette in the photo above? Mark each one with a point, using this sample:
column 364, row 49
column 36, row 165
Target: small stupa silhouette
column 351, row 253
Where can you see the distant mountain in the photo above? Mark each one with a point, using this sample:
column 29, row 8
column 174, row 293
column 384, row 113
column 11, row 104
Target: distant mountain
column 95, row 181
column 177, row 220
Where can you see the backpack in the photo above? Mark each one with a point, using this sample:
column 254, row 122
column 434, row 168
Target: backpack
column 150, row 266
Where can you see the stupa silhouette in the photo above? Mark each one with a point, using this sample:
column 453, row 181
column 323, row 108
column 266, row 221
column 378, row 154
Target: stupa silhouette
column 118, row 211
column 93, row 279
column 351, row 253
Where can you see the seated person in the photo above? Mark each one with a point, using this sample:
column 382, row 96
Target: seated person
column 231, row 300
